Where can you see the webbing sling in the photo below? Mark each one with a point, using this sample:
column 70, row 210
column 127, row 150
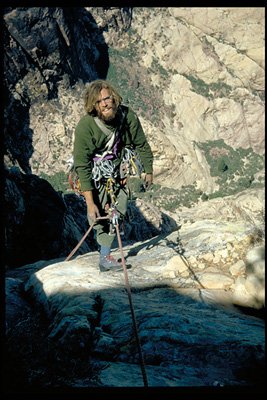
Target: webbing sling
column 103, row 166
column 112, row 144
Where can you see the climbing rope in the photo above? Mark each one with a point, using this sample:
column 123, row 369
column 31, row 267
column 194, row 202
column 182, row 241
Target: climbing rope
column 103, row 169
column 128, row 288
column 82, row 239
column 113, row 217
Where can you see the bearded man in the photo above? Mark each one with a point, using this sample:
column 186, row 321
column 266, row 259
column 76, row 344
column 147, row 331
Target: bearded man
column 102, row 137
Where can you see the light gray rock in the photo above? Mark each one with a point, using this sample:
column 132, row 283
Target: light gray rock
column 250, row 289
column 208, row 90
column 211, row 280
column 238, row 268
column 191, row 334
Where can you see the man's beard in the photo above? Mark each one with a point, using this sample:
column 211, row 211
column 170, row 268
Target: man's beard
column 107, row 118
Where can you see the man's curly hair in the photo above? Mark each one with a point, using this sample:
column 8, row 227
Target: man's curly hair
column 92, row 92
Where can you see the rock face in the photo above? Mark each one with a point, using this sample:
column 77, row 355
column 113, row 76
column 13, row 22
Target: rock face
column 209, row 85
column 191, row 333
column 39, row 224
column 193, row 75
column 40, row 52
column 187, row 289
column 42, row 224
column 209, row 90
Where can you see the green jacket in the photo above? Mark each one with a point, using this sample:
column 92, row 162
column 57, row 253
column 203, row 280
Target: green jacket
column 90, row 140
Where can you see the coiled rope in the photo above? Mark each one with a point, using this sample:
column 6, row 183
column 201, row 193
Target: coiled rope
column 104, row 168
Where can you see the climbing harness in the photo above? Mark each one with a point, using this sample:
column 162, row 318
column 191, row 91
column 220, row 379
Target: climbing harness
column 114, row 219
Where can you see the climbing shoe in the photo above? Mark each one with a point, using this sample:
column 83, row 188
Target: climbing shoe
column 108, row 263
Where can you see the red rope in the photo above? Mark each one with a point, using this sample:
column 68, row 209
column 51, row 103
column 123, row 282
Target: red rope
column 141, row 358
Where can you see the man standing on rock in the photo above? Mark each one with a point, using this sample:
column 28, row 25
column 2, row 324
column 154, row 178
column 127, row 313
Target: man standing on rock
column 107, row 140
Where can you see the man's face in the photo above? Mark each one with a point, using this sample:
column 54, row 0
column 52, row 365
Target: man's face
column 105, row 106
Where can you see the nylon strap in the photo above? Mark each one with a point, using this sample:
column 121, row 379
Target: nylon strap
column 103, row 127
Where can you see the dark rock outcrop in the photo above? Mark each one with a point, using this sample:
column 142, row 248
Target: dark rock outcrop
column 38, row 223
column 42, row 224
column 43, row 46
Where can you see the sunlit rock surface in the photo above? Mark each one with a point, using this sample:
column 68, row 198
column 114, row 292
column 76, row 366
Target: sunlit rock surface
column 190, row 330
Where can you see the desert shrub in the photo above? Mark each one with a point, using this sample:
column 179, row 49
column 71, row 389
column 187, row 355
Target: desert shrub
column 221, row 165
column 168, row 198
column 204, row 197
column 213, row 90
column 234, row 169
column 131, row 79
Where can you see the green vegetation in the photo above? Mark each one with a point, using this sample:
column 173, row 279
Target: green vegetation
column 212, row 90
column 260, row 93
column 235, row 169
column 156, row 67
column 59, row 181
column 168, row 198
column 133, row 82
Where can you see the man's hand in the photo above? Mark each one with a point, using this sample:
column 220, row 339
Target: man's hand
column 92, row 212
column 148, row 181
column 92, row 209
